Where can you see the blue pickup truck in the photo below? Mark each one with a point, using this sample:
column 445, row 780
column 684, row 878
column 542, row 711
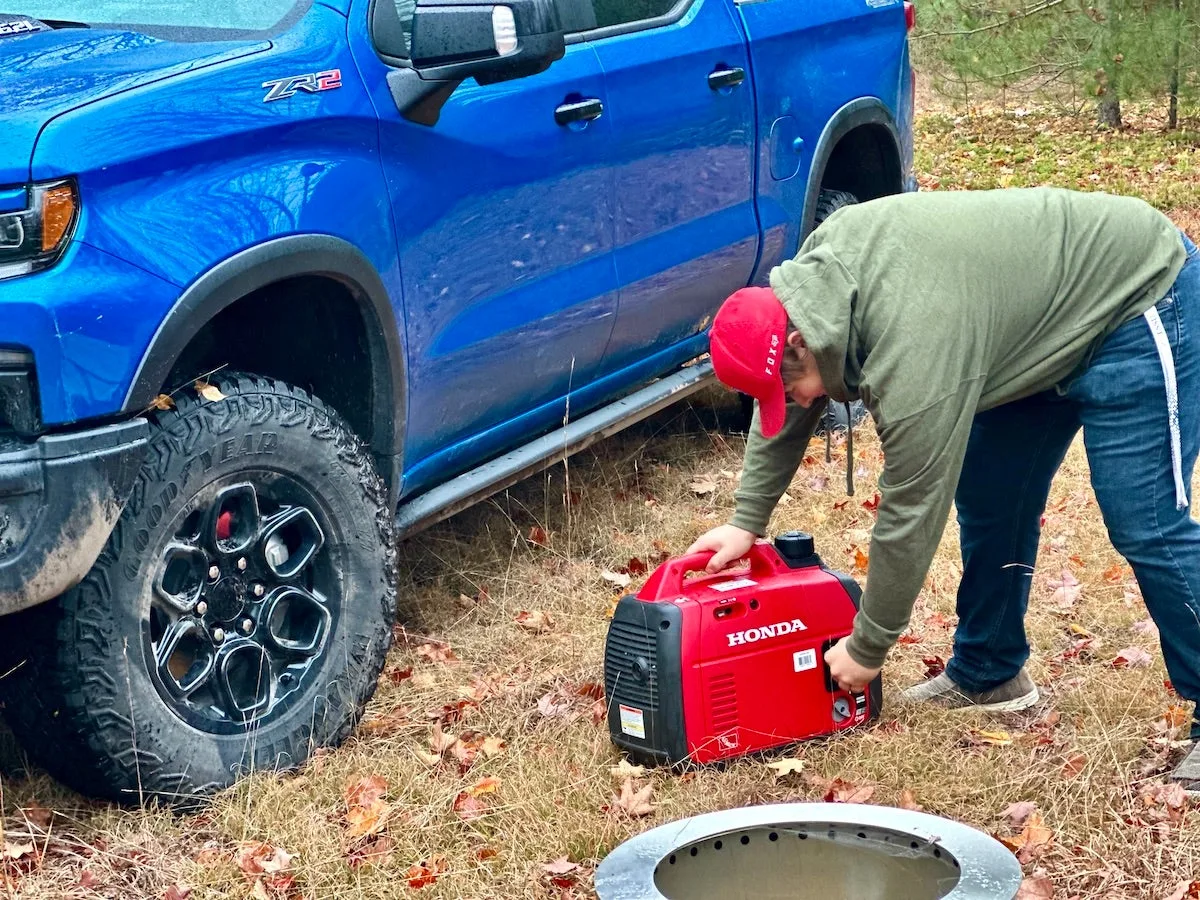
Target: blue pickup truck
column 283, row 282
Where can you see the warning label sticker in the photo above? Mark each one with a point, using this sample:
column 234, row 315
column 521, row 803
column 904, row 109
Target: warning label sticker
column 733, row 585
column 633, row 722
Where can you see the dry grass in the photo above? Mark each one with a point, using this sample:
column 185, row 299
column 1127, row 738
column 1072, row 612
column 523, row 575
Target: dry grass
column 465, row 584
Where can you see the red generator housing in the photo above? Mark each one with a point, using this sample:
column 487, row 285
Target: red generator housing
column 706, row 668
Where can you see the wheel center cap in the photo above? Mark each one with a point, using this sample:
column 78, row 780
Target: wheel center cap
column 225, row 598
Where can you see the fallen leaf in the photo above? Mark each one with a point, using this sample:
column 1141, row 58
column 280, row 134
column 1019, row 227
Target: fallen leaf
column 704, row 485
column 1132, row 658
column 163, row 402
column 788, row 766
column 1032, row 840
column 259, row 891
column 619, row 579
column 1017, row 813
column 1078, row 630
column 560, row 866
column 468, row 807
column 209, row 392
column 848, row 792
column 934, row 666
column 625, row 769
column 426, row 872
column 1066, row 590
column 872, row 505
column 1114, row 574
column 386, row 723
column 535, row 620
column 1035, row 887
column 909, row 801
column 487, row 785
column 636, row 567
column 436, row 651
column 634, row 802
column 1186, row 890
column 257, row 858
column 537, row 535
column 1074, row 765
column 554, row 705
column 994, row 738
column 177, row 892
column 398, row 675
column 486, row 853
column 1145, row 627
column 861, row 560
column 37, row 815
column 376, row 851
column 1177, row 716
column 909, row 638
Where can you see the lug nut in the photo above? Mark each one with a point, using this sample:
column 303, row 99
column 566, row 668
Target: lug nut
column 242, row 564
column 259, row 590
column 201, row 608
column 218, row 634
column 247, row 626
column 214, row 573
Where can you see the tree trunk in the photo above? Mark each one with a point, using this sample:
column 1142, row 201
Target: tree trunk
column 1108, row 112
column 1173, row 87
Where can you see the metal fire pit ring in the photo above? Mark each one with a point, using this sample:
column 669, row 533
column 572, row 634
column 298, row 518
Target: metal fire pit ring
column 797, row 851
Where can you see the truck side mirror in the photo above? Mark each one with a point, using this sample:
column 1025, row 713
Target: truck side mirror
column 453, row 40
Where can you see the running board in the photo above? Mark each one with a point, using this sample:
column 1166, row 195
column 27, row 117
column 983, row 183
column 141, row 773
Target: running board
column 466, row 490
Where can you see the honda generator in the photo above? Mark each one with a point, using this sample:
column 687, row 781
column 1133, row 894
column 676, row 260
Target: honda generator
column 710, row 667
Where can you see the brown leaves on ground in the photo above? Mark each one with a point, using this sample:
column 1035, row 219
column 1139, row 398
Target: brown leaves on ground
column 467, row 803
column 268, row 867
column 426, row 872
column 437, row 652
column 464, row 748
column 1186, row 890
column 934, row 666
column 633, row 801
column 839, row 790
column 366, row 811
column 1163, row 805
column 535, row 620
column 1066, row 590
column 788, row 766
column 1033, row 839
column 1036, row 887
column 1132, row 658
column 565, row 703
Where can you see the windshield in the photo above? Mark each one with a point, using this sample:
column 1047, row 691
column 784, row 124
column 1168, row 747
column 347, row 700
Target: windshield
column 234, row 15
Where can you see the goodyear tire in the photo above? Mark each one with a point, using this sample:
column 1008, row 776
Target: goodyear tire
column 238, row 617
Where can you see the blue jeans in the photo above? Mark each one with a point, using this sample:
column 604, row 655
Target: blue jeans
column 1015, row 450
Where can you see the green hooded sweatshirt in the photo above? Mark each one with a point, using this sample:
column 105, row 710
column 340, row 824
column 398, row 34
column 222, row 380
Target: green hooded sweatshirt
column 931, row 307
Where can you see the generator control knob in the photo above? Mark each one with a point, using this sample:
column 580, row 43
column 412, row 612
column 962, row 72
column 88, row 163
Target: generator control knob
column 795, row 545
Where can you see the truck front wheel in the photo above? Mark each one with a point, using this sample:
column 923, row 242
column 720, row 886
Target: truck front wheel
column 238, row 617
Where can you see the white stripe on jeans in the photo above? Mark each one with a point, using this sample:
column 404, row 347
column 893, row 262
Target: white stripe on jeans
column 1168, row 367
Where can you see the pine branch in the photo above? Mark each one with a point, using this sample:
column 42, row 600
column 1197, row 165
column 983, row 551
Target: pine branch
column 1041, row 7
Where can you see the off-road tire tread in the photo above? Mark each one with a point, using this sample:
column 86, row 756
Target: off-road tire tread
column 66, row 716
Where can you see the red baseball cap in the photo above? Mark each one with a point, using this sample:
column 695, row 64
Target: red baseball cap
column 746, row 342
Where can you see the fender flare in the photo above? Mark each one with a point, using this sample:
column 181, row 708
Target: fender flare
column 262, row 265
column 854, row 114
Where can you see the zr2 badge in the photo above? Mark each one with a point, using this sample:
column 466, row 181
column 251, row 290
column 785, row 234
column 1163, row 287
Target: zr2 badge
column 312, row 83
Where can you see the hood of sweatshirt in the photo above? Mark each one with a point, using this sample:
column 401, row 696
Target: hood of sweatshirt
column 819, row 295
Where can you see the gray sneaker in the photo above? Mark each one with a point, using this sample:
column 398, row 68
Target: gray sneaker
column 1012, row 696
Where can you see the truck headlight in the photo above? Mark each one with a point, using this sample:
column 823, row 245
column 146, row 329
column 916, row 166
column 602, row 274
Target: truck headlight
column 34, row 238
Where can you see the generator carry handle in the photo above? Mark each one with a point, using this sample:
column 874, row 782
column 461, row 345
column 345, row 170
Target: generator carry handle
column 667, row 580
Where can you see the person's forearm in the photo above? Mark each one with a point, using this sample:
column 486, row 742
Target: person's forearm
column 770, row 465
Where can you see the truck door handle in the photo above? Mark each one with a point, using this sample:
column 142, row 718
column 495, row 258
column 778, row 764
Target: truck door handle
column 723, row 78
column 578, row 111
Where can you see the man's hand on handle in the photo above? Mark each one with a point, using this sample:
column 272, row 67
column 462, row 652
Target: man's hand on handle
column 848, row 674
column 728, row 543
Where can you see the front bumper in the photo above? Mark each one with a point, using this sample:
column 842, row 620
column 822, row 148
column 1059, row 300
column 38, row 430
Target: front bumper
column 60, row 498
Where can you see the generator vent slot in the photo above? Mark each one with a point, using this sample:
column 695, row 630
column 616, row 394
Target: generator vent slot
column 722, row 701
column 627, row 644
